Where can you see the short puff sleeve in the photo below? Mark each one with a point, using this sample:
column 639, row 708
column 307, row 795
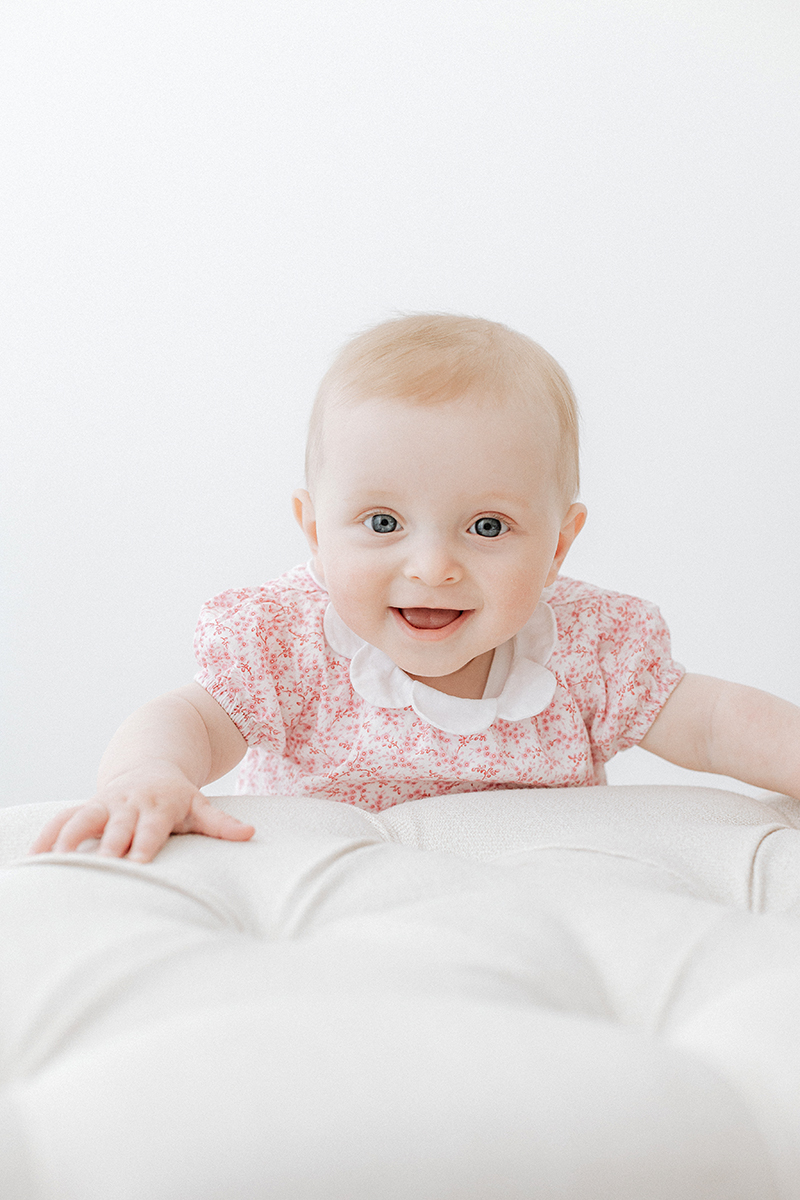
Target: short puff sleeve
column 241, row 644
column 621, row 664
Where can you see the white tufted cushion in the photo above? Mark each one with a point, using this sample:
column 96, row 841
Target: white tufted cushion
column 550, row 994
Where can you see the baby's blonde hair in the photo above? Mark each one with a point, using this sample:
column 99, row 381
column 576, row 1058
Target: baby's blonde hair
column 430, row 358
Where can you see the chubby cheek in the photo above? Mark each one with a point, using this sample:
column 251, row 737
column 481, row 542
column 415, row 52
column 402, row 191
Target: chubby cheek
column 523, row 584
column 355, row 594
column 519, row 595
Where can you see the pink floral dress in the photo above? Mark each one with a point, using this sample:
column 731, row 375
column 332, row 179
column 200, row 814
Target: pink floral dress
column 325, row 714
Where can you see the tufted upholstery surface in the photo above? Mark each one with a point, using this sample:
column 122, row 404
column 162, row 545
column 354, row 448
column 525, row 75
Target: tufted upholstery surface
column 549, row 994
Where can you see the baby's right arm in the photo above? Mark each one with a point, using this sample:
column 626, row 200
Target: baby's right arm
column 150, row 778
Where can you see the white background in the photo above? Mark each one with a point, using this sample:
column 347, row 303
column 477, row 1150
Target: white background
column 202, row 201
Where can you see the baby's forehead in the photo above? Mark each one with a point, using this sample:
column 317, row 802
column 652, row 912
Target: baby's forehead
column 477, row 414
column 360, row 433
column 349, row 416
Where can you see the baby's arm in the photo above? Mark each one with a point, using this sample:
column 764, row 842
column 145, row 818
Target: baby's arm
column 728, row 729
column 150, row 778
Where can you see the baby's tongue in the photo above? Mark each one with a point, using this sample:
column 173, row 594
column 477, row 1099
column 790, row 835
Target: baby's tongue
column 430, row 618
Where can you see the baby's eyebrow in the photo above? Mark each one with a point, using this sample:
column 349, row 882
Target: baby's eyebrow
column 365, row 498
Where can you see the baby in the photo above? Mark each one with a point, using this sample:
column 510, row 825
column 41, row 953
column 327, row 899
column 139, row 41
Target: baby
column 430, row 645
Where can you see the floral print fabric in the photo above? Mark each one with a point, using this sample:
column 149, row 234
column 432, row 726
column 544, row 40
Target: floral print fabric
column 264, row 657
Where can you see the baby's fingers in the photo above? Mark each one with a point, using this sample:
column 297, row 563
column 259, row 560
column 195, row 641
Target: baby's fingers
column 204, row 818
column 152, row 833
column 67, row 829
column 119, row 831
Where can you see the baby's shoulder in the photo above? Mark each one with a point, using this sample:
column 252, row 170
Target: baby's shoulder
column 292, row 600
column 584, row 611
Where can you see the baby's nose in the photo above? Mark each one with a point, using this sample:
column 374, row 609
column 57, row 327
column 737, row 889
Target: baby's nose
column 433, row 562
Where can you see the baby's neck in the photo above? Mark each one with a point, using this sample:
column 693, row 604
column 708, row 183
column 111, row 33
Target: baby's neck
column 469, row 682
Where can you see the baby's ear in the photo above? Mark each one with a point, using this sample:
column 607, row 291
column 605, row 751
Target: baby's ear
column 571, row 526
column 305, row 516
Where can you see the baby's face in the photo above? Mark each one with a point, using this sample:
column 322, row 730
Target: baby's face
column 436, row 528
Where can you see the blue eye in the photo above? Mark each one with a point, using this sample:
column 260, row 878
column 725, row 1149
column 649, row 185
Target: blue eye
column 382, row 523
column 488, row 527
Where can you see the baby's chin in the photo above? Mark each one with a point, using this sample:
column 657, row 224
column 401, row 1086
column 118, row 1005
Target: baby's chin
column 430, row 667
column 464, row 678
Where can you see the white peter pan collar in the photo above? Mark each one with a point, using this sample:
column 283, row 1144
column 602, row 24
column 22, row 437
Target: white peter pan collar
column 519, row 685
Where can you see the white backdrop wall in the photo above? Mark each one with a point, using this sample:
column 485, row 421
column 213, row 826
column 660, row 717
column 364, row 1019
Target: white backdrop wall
column 201, row 201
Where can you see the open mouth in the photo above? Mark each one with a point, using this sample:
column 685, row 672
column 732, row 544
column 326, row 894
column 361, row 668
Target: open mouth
column 430, row 618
